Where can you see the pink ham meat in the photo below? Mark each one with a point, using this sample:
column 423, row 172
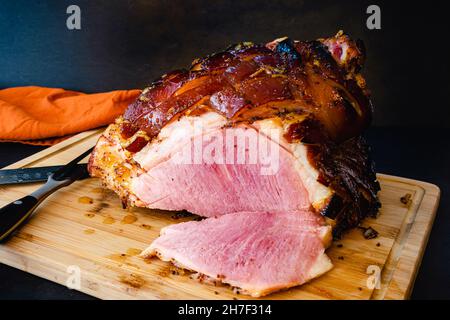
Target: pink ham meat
column 258, row 253
column 306, row 102
column 212, row 188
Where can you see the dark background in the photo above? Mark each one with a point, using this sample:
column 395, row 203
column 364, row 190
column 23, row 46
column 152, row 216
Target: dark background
column 127, row 44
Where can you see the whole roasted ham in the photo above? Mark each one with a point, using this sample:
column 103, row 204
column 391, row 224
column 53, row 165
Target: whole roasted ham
column 263, row 140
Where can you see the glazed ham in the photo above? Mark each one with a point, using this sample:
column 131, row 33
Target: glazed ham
column 268, row 133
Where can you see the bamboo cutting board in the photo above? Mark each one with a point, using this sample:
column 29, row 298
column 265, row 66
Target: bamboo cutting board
column 83, row 230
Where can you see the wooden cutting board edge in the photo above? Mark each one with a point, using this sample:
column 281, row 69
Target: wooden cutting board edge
column 401, row 267
column 405, row 257
column 69, row 143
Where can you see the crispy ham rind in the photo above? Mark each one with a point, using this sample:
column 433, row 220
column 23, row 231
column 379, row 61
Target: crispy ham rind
column 307, row 103
column 248, row 76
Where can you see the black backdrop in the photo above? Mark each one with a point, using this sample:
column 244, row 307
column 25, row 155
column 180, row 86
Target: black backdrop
column 127, row 44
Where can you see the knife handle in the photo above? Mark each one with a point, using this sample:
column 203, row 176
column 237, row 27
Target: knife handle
column 13, row 215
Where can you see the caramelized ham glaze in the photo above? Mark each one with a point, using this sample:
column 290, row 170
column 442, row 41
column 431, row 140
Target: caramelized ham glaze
column 301, row 74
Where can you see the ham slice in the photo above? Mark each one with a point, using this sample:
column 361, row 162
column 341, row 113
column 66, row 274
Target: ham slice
column 258, row 253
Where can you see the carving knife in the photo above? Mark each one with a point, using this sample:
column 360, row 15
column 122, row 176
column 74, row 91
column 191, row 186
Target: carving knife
column 28, row 175
column 15, row 214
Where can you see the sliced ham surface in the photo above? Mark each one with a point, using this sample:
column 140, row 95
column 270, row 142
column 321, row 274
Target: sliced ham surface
column 258, row 253
column 214, row 187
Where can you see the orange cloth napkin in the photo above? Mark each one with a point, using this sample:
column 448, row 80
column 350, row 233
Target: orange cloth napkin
column 45, row 116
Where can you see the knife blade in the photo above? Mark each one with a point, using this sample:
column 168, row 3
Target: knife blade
column 29, row 175
column 16, row 213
